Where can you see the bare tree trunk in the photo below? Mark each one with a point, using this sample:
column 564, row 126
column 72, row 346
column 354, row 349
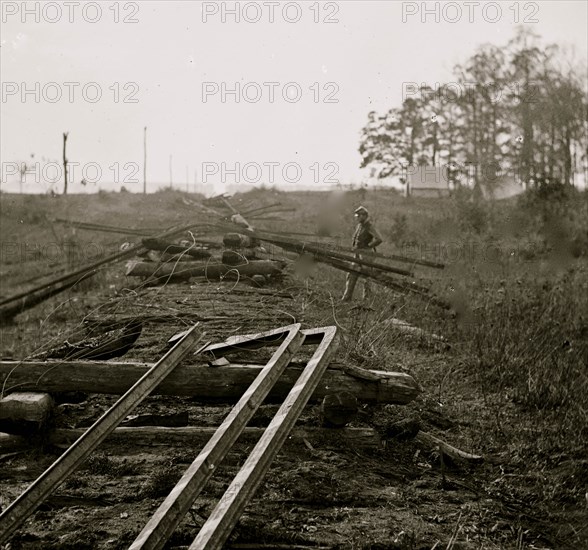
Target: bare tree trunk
column 567, row 156
column 65, row 134
column 476, row 150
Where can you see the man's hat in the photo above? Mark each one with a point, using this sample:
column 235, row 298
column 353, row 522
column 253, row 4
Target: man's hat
column 361, row 210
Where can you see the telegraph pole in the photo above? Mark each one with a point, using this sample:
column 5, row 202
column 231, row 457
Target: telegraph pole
column 145, row 160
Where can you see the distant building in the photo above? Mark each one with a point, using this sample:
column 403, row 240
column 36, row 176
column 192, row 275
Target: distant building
column 428, row 181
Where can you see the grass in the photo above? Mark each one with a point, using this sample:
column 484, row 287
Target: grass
column 514, row 378
column 516, row 371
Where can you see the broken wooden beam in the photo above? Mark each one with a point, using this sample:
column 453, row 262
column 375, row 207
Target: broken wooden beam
column 224, row 517
column 178, row 502
column 430, row 442
column 209, row 385
column 211, row 270
column 197, row 435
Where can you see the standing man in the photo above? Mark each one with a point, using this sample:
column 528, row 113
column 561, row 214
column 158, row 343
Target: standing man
column 365, row 238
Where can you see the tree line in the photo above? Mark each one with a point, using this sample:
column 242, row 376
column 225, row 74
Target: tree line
column 519, row 110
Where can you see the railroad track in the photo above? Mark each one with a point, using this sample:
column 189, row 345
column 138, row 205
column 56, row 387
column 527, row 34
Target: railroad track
column 225, row 515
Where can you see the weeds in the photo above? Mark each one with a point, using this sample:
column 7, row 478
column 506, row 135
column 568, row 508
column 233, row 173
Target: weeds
column 161, row 482
column 101, row 464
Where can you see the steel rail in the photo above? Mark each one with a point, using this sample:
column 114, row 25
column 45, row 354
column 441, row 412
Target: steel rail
column 170, row 513
column 225, row 515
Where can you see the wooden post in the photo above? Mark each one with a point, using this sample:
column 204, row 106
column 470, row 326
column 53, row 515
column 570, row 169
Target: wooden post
column 23, row 412
column 145, row 160
column 65, row 134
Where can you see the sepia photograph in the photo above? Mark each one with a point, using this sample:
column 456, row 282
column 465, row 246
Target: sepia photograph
column 289, row 275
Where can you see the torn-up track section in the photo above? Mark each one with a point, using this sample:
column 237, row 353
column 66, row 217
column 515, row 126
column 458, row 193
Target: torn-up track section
column 224, row 517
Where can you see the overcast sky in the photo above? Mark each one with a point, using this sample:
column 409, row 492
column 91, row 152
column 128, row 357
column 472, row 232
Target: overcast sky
column 344, row 58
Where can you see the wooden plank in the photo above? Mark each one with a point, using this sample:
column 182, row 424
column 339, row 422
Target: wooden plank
column 255, row 340
column 15, row 515
column 224, row 384
column 176, row 505
column 225, row 515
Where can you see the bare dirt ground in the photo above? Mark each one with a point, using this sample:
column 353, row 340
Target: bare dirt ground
column 322, row 495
